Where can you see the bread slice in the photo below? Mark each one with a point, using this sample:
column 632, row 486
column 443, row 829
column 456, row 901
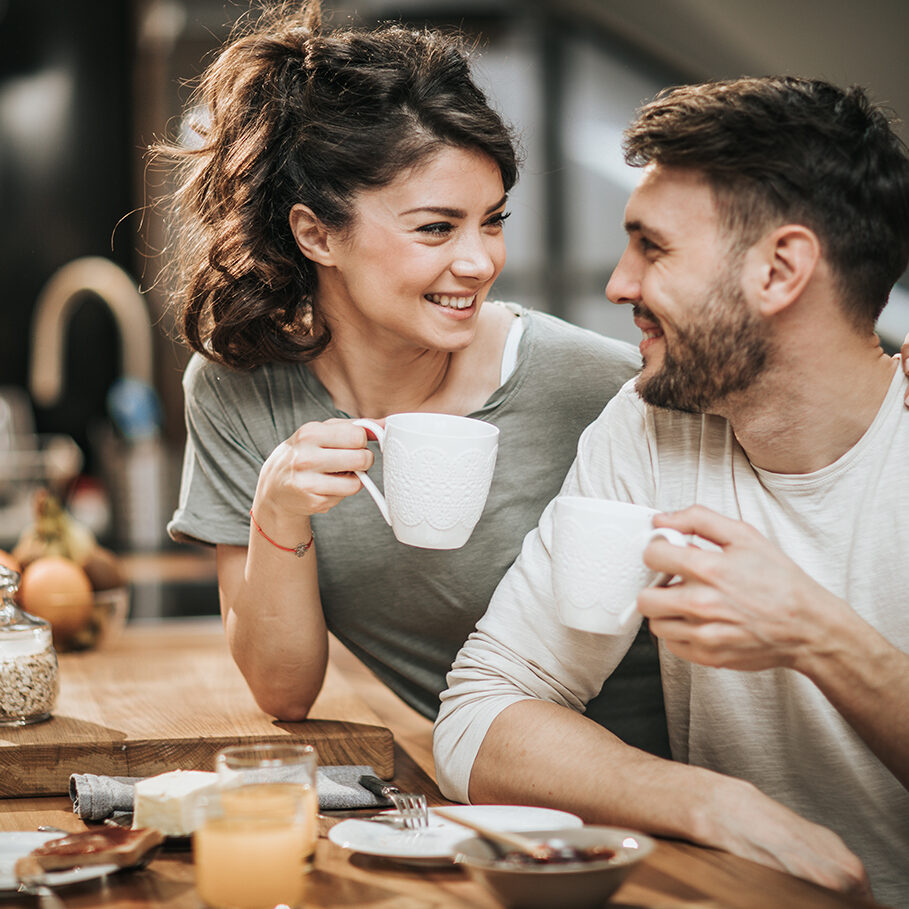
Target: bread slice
column 109, row 845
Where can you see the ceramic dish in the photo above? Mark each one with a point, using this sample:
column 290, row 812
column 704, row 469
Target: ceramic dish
column 14, row 846
column 382, row 836
column 572, row 885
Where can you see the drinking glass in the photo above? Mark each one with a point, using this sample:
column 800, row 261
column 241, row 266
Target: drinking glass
column 256, row 844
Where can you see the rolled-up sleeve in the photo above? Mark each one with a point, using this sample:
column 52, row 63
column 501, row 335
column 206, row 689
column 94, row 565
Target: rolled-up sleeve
column 229, row 434
column 520, row 650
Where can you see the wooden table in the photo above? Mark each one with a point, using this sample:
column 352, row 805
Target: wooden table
column 153, row 701
column 676, row 876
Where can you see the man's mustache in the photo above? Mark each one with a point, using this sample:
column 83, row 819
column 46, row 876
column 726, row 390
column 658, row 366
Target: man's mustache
column 641, row 311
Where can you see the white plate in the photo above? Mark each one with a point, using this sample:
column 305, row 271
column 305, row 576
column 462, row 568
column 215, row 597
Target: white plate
column 435, row 845
column 14, row 846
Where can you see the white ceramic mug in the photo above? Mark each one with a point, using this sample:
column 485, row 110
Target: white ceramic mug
column 437, row 469
column 598, row 561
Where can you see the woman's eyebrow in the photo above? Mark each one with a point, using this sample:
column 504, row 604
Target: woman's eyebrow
column 437, row 210
column 446, row 212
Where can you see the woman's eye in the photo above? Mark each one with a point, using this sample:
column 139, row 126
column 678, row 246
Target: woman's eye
column 438, row 229
column 442, row 229
column 499, row 219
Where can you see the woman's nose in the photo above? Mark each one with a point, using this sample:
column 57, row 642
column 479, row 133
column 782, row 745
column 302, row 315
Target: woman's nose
column 478, row 258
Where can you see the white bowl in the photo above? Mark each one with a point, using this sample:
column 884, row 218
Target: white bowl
column 575, row 885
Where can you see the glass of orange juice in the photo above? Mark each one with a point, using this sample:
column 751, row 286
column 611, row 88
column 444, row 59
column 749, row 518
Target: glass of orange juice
column 257, row 841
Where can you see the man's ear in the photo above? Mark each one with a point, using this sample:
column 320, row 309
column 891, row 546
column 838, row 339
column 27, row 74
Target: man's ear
column 781, row 264
column 311, row 234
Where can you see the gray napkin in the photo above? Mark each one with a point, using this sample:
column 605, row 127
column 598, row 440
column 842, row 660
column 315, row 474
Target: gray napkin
column 98, row 797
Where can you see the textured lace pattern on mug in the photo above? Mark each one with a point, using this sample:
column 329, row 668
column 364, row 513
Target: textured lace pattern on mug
column 442, row 490
column 599, row 566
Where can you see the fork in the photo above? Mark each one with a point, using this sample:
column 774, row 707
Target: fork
column 411, row 806
column 46, row 897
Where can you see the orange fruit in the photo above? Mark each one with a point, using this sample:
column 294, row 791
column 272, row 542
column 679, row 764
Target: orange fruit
column 58, row 590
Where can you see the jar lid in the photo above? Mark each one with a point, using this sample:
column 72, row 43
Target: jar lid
column 16, row 624
column 19, row 644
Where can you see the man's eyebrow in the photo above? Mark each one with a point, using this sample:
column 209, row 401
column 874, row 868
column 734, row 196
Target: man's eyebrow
column 638, row 227
column 445, row 212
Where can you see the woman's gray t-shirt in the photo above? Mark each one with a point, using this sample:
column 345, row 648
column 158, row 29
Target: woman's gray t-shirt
column 405, row 612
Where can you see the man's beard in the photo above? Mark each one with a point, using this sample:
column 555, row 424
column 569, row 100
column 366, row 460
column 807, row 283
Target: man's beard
column 725, row 353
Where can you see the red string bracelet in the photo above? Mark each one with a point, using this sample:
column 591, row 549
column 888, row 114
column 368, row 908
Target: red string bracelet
column 299, row 550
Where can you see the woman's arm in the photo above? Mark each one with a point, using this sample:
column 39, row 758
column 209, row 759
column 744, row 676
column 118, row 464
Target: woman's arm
column 275, row 628
column 270, row 599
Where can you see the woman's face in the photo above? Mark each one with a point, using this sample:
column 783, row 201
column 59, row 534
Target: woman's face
column 420, row 256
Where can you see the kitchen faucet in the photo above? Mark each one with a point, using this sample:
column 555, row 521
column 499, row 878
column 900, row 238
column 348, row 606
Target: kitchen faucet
column 54, row 307
column 136, row 464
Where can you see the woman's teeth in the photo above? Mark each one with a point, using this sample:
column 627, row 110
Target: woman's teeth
column 452, row 302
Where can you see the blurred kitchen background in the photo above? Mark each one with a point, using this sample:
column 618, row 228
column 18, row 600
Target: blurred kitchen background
column 90, row 394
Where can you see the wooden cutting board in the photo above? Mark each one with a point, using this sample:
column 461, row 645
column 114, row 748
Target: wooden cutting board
column 168, row 696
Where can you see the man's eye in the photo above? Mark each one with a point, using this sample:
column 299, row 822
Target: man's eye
column 648, row 245
column 438, row 229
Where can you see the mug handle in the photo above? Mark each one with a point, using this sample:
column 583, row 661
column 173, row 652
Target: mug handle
column 671, row 535
column 368, row 484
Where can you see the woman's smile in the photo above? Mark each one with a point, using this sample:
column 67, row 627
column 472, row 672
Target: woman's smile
column 451, row 301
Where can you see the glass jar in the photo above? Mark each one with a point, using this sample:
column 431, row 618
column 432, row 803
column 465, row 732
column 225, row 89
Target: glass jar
column 29, row 680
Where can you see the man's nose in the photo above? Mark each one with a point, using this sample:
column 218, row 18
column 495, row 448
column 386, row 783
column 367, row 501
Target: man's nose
column 624, row 285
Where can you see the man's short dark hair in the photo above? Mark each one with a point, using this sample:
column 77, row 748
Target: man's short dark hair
column 784, row 149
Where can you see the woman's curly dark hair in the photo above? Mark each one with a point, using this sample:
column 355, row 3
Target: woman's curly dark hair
column 292, row 114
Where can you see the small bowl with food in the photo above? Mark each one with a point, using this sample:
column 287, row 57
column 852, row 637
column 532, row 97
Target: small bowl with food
column 582, row 866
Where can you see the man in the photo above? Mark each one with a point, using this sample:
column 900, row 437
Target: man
column 770, row 224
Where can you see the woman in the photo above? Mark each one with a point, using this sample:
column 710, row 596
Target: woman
column 342, row 224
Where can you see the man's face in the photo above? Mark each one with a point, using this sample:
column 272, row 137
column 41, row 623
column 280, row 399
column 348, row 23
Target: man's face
column 702, row 341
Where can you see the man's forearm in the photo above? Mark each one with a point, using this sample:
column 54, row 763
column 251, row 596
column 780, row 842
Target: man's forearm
column 539, row 753
column 867, row 679
column 543, row 754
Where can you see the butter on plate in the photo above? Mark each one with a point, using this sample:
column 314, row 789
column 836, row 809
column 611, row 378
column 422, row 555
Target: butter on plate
column 174, row 802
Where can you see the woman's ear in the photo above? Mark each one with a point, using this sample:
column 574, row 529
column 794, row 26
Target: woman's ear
column 782, row 264
column 311, row 234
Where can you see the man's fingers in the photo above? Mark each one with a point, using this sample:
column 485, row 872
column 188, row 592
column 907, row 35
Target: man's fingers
column 706, row 523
